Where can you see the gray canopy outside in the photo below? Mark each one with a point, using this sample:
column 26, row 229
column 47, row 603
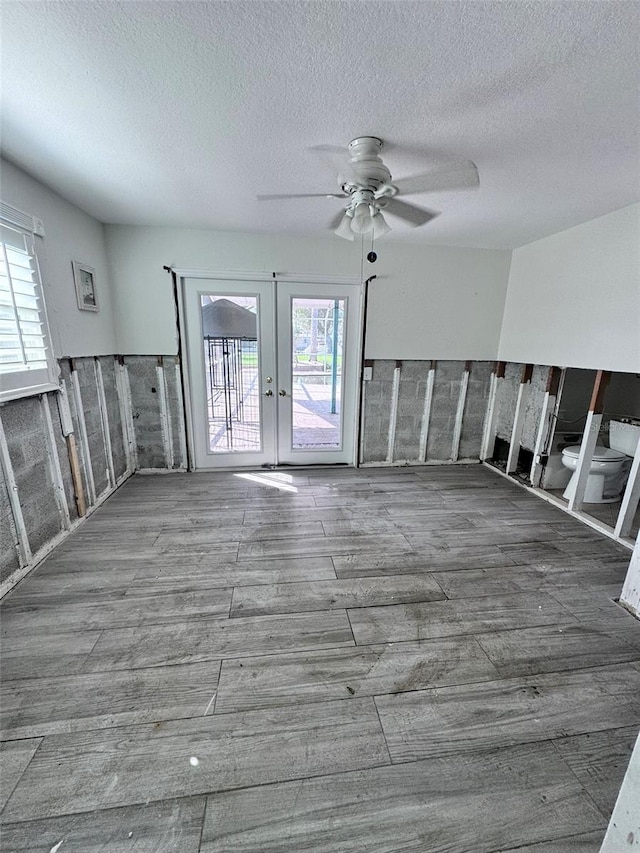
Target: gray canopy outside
column 225, row 319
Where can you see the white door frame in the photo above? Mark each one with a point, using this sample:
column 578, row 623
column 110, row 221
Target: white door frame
column 184, row 273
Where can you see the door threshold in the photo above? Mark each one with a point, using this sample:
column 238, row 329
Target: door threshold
column 331, row 466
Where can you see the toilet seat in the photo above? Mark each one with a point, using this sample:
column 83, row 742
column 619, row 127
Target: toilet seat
column 601, row 454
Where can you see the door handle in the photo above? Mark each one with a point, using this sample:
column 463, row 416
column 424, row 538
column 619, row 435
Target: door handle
column 282, row 392
column 268, row 393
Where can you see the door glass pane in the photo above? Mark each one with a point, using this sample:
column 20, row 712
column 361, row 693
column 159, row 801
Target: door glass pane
column 317, row 356
column 230, row 329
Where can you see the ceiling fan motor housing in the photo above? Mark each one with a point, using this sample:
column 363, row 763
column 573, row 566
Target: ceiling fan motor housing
column 367, row 171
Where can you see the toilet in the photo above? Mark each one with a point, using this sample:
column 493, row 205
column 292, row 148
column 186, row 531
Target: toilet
column 609, row 465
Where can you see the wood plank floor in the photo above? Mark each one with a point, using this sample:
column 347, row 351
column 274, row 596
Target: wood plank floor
column 425, row 659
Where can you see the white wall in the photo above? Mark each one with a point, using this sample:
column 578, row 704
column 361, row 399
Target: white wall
column 71, row 235
column 426, row 303
column 574, row 298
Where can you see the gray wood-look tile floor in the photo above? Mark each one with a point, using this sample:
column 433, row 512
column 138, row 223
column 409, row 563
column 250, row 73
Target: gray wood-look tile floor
column 425, row 659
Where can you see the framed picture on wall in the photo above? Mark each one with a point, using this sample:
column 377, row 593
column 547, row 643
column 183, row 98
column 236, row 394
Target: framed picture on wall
column 84, row 277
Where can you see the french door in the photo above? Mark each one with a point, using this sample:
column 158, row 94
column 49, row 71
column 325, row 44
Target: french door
column 273, row 370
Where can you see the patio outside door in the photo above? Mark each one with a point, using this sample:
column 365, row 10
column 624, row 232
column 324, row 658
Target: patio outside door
column 272, row 371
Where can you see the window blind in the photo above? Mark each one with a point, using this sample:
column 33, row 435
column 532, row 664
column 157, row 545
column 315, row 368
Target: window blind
column 25, row 358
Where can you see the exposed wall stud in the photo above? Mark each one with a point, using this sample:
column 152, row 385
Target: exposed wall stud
column 545, row 426
column 630, row 499
column 489, row 435
column 589, row 438
column 165, row 421
column 23, row 547
column 104, row 416
column 426, row 412
column 518, row 418
column 66, row 422
column 84, row 438
column 123, row 389
column 393, row 415
column 76, row 475
column 182, row 437
column 630, row 595
column 54, row 464
column 462, row 397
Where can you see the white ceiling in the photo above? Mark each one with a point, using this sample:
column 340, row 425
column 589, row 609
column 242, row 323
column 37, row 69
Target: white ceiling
column 180, row 113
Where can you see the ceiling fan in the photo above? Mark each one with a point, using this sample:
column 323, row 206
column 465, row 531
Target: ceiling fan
column 367, row 185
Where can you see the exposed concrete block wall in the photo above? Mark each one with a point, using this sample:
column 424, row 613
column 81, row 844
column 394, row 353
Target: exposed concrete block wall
column 419, row 412
column 475, row 409
column 146, row 411
column 506, row 397
column 533, row 407
column 444, row 404
column 156, row 402
column 91, row 411
column 146, row 405
column 9, row 562
column 25, row 431
column 173, row 388
column 411, row 390
column 377, row 412
column 108, row 367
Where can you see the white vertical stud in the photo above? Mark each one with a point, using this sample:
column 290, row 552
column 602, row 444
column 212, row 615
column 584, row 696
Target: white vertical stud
column 54, row 464
column 393, row 416
column 489, row 436
column 630, row 499
column 457, row 429
column 23, row 547
column 548, row 405
column 426, row 413
column 84, row 438
column 183, row 436
column 545, row 432
column 589, row 439
column 630, row 595
column 104, row 416
column 123, row 389
column 587, row 448
column 165, row 422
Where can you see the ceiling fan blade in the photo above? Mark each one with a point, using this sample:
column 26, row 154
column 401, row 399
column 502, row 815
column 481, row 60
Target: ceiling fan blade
column 453, row 176
column 300, row 195
column 337, row 159
column 410, row 213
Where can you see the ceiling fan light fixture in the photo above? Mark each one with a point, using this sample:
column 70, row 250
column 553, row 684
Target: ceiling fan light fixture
column 380, row 226
column 362, row 221
column 344, row 229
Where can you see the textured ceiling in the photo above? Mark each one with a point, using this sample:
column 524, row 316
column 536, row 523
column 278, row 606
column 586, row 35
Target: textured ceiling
column 180, row 113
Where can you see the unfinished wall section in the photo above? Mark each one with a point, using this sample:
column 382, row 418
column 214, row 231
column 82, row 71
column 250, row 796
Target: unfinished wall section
column 29, row 453
column 424, row 412
column 156, row 406
column 63, row 453
column 378, row 394
column 475, row 410
column 506, row 397
column 9, row 550
column 113, row 409
column 533, row 406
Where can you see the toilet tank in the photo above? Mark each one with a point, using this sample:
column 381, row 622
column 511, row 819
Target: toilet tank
column 623, row 436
